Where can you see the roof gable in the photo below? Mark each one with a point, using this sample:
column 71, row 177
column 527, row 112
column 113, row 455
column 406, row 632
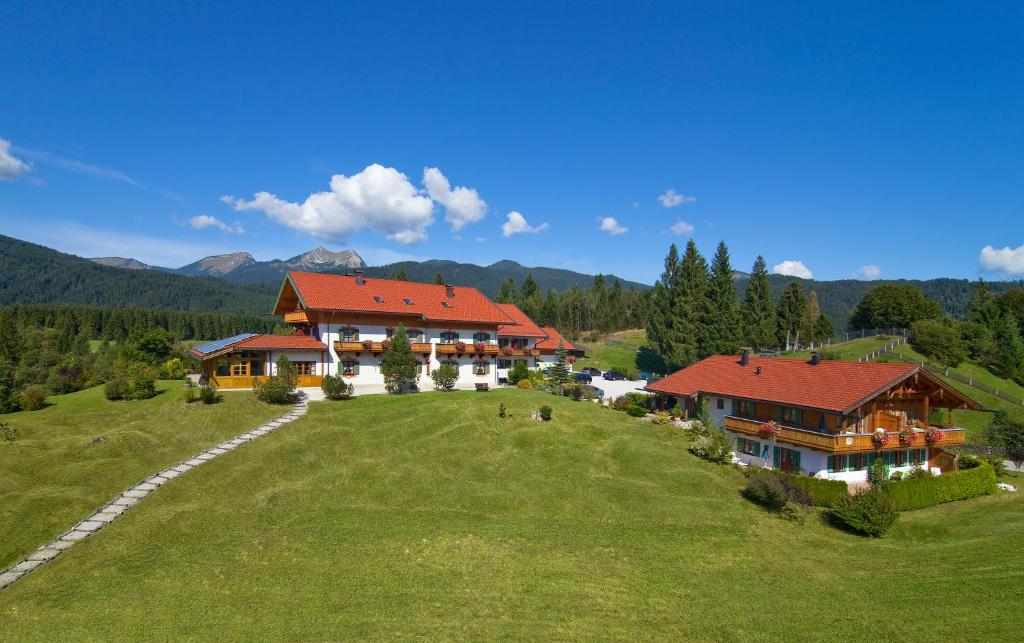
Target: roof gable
column 521, row 326
column 831, row 385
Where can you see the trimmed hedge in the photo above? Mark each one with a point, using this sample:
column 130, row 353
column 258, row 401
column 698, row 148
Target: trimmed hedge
column 823, row 493
column 954, row 485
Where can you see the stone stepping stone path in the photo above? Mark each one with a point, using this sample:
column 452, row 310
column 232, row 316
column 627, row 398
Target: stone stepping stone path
column 132, row 496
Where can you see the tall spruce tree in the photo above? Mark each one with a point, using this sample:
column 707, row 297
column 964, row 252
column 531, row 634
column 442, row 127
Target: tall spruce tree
column 690, row 306
column 399, row 275
column 507, row 292
column 809, row 321
column 983, row 309
column 723, row 328
column 398, row 365
column 558, row 373
column 1009, row 358
column 758, row 309
column 438, row 279
column 792, row 305
column 666, row 329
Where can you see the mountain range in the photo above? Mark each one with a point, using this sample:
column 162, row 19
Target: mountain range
column 237, row 283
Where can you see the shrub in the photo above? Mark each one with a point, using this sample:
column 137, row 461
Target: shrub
column 766, row 490
column 950, row 486
column 714, row 446
column 968, row 461
column 870, row 512
column 939, row 340
column 545, row 413
column 209, row 395
column 445, row 376
column 280, row 387
column 32, row 398
column 916, row 473
column 998, row 465
column 636, row 411
column 519, row 372
column 336, row 388
column 661, row 417
column 502, row 410
column 677, row 412
column 525, row 384
column 795, row 512
column 189, row 393
column 879, row 472
column 118, row 388
column 896, row 475
column 820, row 492
column 143, row 383
column 174, row 369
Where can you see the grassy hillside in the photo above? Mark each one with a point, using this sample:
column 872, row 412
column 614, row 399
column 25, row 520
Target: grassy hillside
column 626, row 349
column 54, row 475
column 428, row 517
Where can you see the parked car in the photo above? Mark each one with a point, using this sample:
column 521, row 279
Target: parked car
column 595, row 392
column 583, row 377
column 591, row 371
column 614, row 375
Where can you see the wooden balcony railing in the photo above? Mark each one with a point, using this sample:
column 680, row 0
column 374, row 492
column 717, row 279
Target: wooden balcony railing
column 505, row 351
column 842, row 443
column 470, row 348
column 377, row 347
column 297, row 317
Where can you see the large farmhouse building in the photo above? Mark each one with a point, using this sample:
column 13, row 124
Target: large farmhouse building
column 823, row 417
column 343, row 325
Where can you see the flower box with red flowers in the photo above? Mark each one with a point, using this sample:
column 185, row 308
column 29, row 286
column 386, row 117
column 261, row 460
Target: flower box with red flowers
column 770, row 430
column 933, row 435
column 906, row 437
column 880, row 439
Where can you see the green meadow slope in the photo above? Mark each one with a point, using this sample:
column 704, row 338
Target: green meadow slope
column 55, row 474
column 426, row 516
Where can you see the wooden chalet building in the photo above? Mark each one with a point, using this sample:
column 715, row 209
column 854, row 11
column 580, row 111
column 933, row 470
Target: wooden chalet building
column 825, row 418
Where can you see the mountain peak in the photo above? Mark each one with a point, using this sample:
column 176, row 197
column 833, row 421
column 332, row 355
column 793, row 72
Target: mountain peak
column 122, row 262
column 321, row 258
column 218, row 265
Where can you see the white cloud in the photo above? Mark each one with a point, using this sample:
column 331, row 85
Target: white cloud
column 672, row 199
column 462, row 205
column 612, row 227
column 11, row 167
column 870, row 271
column 80, row 167
column 681, row 228
column 516, row 224
column 792, row 269
column 206, row 221
column 1006, row 259
column 378, row 198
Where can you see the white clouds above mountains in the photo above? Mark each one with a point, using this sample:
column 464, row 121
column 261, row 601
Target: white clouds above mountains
column 681, row 228
column 792, row 269
column 462, row 205
column 612, row 227
column 870, row 271
column 1007, row 260
column 11, row 167
column 671, row 199
column 206, row 221
column 379, row 198
column 516, row 224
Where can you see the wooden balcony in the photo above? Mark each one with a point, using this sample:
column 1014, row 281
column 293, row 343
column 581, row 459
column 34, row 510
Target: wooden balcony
column 517, row 352
column 469, row 349
column 297, row 317
column 245, row 381
column 842, row 443
column 423, row 348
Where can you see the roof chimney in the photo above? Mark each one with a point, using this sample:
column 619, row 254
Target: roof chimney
column 815, row 358
column 360, row 278
column 745, row 357
column 757, row 370
column 449, row 291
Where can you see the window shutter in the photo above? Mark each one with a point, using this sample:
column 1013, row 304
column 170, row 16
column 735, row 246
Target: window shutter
column 799, row 416
column 776, row 464
column 735, row 407
column 778, row 413
column 355, row 369
column 796, row 461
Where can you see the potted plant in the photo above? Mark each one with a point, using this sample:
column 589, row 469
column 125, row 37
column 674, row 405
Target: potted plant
column 368, row 344
column 880, row 439
column 507, row 350
column 571, row 359
column 460, row 347
column 480, row 346
column 384, row 345
column 906, row 437
column 933, row 435
column 770, row 430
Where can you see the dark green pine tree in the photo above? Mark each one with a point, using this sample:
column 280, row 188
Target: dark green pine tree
column 530, row 297
column 616, row 308
column 983, row 309
column 723, row 331
column 792, row 305
column 399, row 275
column 550, row 310
column 691, row 305
column 439, row 279
column 661, row 325
column 530, row 288
column 1009, row 358
column 10, row 338
column 758, row 309
column 507, row 292
column 398, row 365
column 558, row 373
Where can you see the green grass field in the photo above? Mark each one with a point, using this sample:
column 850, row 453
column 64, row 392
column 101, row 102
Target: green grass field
column 53, row 475
column 618, row 350
column 426, row 516
column 851, row 350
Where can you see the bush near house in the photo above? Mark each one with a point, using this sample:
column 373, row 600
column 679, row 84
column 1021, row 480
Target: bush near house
column 870, row 512
column 134, row 381
column 819, row 492
column 336, row 388
column 280, row 387
column 953, row 485
column 32, row 398
column 519, row 372
column 445, row 376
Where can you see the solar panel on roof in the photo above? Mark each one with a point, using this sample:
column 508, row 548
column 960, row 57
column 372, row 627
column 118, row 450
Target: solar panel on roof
column 213, row 347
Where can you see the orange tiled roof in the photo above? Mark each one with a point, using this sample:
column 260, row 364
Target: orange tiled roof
column 831, row 385
column 319, row 291
column 521, row 326
column 282, row 342
column 551, row 343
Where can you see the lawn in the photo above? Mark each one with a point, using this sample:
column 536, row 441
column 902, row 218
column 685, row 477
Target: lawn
column 622, row 350
column 54, row 474
column 851, row 350
column 426, row 516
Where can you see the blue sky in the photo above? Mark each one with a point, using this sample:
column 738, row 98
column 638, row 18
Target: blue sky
column 830, row 139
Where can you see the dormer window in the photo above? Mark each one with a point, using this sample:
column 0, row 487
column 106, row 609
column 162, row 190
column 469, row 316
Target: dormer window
column 378, row 299
column 408, row 302
column 446, row 304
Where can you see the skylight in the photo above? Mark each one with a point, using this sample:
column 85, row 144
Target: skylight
column 446, row 304
column 378, row 299
column 408, row 302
